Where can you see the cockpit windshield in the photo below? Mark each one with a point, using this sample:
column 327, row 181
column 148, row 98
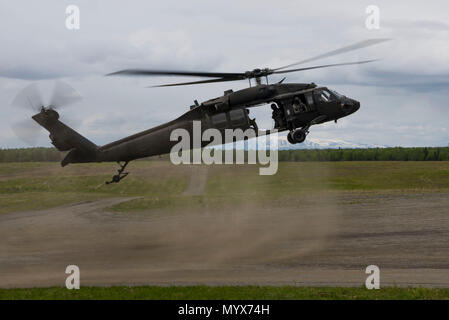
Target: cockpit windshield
column 337, row 94
column 326, row 95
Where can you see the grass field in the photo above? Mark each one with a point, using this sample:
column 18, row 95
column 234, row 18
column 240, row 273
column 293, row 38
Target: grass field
column 224, row 293
column 163, row 189
column 25, row 186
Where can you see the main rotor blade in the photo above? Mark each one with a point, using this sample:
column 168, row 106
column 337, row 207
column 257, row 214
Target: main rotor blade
column 64, row 95
column 325, row 66
column 355, row 46
column 194, row 82
column 145, row 72
column 29, row 98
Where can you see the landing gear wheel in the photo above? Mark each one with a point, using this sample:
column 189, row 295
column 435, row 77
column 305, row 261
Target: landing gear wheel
column 298, row 136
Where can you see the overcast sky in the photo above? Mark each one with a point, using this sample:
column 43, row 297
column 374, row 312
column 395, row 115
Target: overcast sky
column 404, row 96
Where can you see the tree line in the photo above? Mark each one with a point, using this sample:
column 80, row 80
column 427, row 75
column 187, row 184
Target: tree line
column 30, row 155
column 373, row 154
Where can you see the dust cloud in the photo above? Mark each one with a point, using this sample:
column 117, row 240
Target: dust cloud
column 247, row 234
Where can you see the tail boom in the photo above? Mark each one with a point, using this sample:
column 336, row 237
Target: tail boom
column 65, row 138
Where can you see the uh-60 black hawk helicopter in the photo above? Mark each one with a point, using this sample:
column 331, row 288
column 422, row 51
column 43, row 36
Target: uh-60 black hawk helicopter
column 295, row 107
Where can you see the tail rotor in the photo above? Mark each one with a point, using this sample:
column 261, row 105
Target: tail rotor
column 30, row 98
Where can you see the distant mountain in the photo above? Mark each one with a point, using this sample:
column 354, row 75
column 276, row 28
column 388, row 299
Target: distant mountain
column 316, row 143
column 310, row 143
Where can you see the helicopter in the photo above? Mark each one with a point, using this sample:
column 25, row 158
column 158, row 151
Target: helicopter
column 295, row 108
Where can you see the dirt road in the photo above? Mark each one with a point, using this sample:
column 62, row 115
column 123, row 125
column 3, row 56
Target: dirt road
column 330, row 243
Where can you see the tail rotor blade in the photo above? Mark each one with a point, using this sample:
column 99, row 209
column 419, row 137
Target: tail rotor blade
column 28, row 131
column 29, row 98
column 64, row 95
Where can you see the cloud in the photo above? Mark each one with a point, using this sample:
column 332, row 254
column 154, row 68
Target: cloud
column 404, row 95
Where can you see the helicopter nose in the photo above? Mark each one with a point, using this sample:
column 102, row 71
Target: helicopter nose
column 350, row 106
column 356, row 106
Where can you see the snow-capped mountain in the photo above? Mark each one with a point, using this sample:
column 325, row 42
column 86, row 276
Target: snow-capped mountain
column 316, row 143
column 309, row 143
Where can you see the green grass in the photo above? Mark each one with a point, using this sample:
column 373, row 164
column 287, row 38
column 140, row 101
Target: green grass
column 90, row 184
column 17, row 167
column 42, row 200
column 224, row 292
column 31, row 186
column 26, row 186
column 242, row 184
column 34, row 186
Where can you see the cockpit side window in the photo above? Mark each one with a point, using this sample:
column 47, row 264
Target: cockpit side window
column 325, row 95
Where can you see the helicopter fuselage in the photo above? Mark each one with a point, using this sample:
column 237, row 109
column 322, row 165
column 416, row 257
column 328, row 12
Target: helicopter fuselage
column 295, row 108
column 297, row 105
column 293, row 105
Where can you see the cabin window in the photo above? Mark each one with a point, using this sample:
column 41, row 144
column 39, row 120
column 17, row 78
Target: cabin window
column 219, row 120
column 309, row 100
column 237, row 117
column 298, row 105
